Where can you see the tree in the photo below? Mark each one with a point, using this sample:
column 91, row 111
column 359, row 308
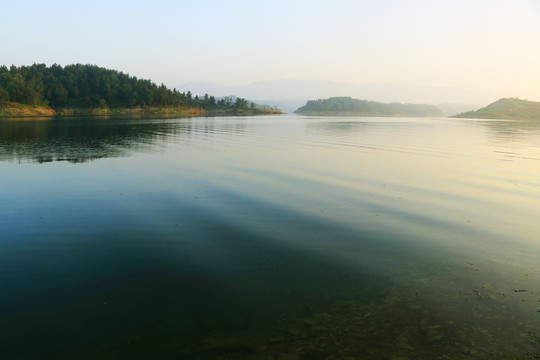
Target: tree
column 241, row 103
column 80, row 85
column 4, row 96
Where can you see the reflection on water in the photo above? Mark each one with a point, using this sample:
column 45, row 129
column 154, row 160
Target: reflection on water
column 91, row 138
column 268, row 238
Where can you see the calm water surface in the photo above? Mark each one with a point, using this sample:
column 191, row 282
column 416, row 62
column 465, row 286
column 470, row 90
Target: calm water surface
column 268, row 238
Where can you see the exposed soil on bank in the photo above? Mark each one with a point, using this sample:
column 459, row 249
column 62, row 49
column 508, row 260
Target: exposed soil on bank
column 12, row 109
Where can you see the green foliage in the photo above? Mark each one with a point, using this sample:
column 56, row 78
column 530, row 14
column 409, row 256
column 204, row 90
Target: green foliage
column 506, row 108
column 241, row 103
column 90, row 86
column 350, row 106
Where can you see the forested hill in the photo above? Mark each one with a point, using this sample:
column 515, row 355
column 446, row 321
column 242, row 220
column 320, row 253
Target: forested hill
column 350, row 106
column 90, row 86
column 506, row 108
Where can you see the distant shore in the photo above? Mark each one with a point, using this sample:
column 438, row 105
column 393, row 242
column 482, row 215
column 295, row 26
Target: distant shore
column 506, row 108
column 12, row 109
column 345, row 105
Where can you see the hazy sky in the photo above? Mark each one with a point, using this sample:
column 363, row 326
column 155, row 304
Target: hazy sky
column 479, row 45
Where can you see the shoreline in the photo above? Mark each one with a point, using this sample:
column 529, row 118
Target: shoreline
column 22, row 110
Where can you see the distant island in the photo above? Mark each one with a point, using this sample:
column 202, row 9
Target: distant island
column 39, row 90
column 506, row 108
column 350, row 106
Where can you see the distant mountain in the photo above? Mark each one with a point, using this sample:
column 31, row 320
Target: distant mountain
column 350, row 106
column 291, row 94
column 506, row 108
column 450, row 109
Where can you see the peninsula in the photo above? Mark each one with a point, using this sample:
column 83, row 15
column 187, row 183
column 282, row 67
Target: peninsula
column 39, row 90
column 506, row 108
column 350, row 106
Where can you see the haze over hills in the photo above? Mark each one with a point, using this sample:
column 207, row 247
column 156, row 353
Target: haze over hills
column 292, row 94
column 450, row 109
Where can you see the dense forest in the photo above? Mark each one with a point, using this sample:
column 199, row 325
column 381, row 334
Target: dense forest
column 506, row 108
column 350, row 106
column 90, row 86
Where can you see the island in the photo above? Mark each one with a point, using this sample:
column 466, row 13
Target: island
column 350, row 106
column 40, row 90
column 506, row 108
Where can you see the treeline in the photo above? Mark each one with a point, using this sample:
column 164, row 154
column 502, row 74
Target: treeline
column 90, row 86
column 348, row 105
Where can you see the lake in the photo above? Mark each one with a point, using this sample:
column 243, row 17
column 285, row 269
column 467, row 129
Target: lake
column 279, row 237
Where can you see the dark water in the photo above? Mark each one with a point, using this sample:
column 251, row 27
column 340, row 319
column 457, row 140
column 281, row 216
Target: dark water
column 268, row 238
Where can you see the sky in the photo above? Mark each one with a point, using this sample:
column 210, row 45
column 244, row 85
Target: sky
column 487, row 46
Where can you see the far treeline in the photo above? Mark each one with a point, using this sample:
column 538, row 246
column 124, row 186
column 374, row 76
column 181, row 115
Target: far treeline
column 90, row 86
column 350, row 106
column 506, row 108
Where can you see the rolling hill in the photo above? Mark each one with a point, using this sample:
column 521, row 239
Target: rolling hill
column 506, row 108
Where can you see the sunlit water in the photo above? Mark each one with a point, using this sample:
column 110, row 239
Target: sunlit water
column 268, row 238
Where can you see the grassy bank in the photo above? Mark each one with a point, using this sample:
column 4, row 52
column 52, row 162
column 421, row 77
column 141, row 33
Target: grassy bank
column 16, row 109
column 12, row 109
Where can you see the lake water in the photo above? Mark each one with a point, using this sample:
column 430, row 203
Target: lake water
column 279, row 237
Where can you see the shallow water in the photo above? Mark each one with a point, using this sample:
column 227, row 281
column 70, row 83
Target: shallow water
column 285, row 237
